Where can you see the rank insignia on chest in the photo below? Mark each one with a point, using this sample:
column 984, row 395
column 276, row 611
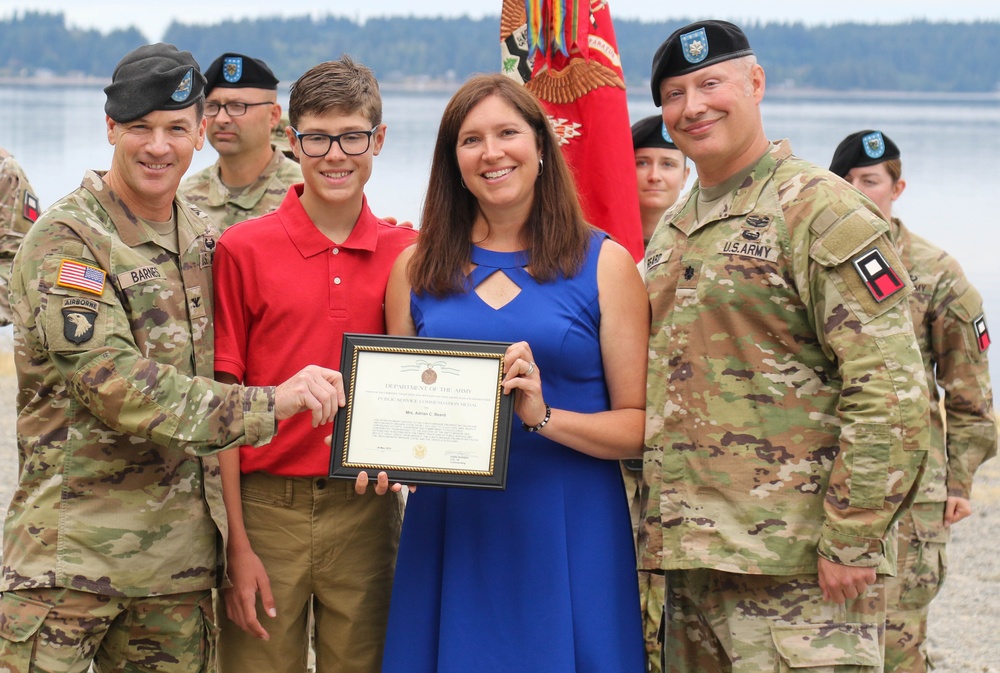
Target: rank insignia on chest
column 982, row 333
column 30, row 206
column 81, row 276
column 878, row 276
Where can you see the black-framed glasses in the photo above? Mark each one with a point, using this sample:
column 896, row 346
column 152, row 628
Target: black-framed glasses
column 351, row 143
column 235, row 109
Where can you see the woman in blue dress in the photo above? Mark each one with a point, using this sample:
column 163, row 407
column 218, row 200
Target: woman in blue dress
column 540, row 577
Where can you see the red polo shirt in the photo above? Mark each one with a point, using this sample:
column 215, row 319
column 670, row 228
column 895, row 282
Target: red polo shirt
column 284, row 296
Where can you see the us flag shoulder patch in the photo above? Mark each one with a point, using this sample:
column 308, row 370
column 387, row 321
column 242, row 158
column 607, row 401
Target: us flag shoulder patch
column 982, row 333
column 877, row 274
column 81, row 277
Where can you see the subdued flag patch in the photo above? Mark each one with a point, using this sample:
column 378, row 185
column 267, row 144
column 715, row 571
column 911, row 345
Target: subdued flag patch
column 877, row 274
column 81, row 277
column 982, row 333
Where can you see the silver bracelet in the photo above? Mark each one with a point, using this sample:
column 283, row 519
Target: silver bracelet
column 536, row 428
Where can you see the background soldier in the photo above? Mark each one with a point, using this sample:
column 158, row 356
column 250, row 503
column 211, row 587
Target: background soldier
column 111, row 542
column 661, row 170
column 251, row 176
column 18, row 211
column 951, row 330
column 786, row 399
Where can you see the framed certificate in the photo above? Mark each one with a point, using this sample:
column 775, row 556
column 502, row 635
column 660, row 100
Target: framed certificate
column 425, row 411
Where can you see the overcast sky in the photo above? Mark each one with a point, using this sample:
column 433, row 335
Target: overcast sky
column 153, row 18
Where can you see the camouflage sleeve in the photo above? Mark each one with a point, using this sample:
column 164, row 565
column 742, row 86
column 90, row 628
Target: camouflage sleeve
column 109, row 374
column 858, row 288
column 960, row 340
column 19, row 209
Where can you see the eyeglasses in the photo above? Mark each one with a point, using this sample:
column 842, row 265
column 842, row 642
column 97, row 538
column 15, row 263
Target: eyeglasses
column 232, row 109
column 351, row 143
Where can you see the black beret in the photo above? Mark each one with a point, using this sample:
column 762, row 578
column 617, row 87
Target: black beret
column 236, row 71
column 864, row 148
column 153, row 77
column 650, row 132
column 696, row 46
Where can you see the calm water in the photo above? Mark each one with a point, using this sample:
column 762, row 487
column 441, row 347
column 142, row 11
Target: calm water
column 951, row 158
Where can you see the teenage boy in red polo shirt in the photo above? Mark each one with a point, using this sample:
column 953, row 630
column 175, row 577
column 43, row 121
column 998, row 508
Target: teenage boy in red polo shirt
column 288, row 285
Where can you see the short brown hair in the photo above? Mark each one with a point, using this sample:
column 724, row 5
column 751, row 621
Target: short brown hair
column 894, row 167
column 341, row 86
column 556, row 235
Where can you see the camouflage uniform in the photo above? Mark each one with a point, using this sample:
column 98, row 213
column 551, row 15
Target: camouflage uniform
column 945, row 310
column 785, row 409
column 651, row 583
column 18, row 211
column 116, row 402
column 206, row 190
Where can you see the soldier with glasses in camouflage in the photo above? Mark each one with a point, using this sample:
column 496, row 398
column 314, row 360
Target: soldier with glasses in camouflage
column 251, row 176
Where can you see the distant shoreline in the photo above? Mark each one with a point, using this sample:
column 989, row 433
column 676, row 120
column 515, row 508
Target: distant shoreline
column 449, row 86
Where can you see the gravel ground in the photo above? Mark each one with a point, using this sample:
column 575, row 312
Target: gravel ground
column 965, row 617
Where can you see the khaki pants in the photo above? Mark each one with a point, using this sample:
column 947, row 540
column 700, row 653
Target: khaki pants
column 325, row 549
column 64, row 630
column 726, row 622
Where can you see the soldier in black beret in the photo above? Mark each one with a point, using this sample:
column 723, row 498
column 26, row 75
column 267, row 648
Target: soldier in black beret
column 864, row 148
column 697, row 46
column 660, row 169
column 252, row 173
column 113, row 547
column 153, row 77
column 769, row 271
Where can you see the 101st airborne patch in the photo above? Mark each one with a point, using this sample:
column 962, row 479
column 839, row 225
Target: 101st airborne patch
column 79, row 316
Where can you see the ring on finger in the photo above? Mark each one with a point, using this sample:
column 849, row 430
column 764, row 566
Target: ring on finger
column 531, row 368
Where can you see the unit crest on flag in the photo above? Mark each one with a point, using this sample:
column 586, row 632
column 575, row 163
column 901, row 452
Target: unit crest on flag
column 565, row 130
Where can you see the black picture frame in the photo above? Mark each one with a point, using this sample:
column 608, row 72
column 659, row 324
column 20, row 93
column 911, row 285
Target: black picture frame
column 414, row 428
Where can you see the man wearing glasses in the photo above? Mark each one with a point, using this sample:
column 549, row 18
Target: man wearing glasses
column 288, row 286
column 250, row 177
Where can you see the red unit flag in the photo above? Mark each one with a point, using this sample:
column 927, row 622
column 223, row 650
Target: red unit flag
column 565, row 52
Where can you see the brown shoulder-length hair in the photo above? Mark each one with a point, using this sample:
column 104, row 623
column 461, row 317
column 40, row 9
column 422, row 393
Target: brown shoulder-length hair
column 555, row 234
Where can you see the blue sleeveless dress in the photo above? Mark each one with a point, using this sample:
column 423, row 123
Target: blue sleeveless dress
column 540, row 577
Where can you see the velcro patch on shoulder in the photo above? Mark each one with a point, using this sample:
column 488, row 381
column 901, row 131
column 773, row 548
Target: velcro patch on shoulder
column 846, row 238
column 80, row 276
column 877, row 274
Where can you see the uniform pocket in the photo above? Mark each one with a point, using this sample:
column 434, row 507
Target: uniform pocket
column 870, row 465
column 831, row 645
column 20, row 620
column 210, row 635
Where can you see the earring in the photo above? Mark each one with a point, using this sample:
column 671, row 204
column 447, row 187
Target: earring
column 462, row 180
column 541, row 165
